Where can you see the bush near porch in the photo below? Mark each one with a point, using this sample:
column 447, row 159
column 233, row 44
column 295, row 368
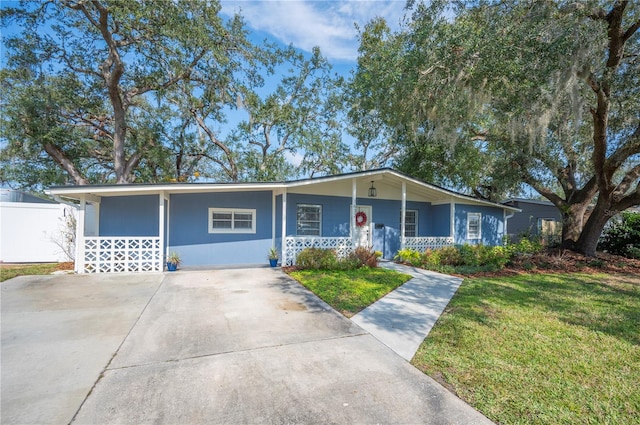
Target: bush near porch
column 327, row 259
column 468, row 258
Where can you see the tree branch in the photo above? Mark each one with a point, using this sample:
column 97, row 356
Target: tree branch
column 63, row 160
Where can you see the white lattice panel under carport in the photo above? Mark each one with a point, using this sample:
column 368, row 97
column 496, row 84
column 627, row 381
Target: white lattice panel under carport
column 295, row 245
column 122, row 254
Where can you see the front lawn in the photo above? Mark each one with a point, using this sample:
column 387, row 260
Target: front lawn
column 541, row 349
column 9, row 271
column 350, row 291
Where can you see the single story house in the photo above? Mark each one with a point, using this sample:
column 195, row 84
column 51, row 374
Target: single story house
column 135, row 226
column 536, row 218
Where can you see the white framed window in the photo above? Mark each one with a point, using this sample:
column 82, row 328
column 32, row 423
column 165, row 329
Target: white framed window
column 309, row 220
column 232, row 220
column 474, row 225
column 410, row 223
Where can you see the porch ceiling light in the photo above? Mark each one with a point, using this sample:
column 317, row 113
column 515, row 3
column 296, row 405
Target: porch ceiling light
column 372, row 191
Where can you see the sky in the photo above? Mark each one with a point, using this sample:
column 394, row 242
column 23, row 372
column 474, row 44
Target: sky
column 328, row 24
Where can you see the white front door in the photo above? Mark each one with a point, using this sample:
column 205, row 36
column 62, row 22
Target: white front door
column 363, row 227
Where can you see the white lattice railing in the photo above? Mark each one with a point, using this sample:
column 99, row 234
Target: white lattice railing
column 423, row 243
column 295, row 244
column 122, row 254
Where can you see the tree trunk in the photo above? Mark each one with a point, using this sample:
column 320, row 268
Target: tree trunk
column 572, row 221
column 588, row 240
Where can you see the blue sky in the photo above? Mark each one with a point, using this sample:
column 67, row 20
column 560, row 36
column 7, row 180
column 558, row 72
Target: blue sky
column 325, row 23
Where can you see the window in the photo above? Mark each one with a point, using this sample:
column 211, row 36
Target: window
column 410, row 223
column 474, row 225
column 549, row 227
column 309, row 220
column 229, row 220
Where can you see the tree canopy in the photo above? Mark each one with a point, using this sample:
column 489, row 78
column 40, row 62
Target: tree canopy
column 496, row 95
column 119, row 91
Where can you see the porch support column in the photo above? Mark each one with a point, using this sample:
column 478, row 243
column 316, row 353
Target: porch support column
column 168, row 226
column 452, row 220
column 80, row 235
column 273, row 218
column 161, row 229
column 284, row 228
column 352, row 219
column 403, row 211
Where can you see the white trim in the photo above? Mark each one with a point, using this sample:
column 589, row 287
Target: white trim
column 168, row 235
column 415, row 222
column 319, row 206
column 452, row 219
column 352, row 219
column 140, row 189
column 273, row 218
column 161, row 234
column 474, row 214
column 79, row 266
column 283, row 242
column 403, row 210
column 233, row 211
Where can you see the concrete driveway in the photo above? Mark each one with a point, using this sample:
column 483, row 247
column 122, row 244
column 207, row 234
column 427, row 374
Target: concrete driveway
column 218, row 346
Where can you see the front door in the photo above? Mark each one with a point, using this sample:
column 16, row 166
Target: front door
column 363, row 226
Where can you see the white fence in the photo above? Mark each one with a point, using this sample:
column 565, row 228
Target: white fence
column 122, row 254
column 423, row 243
column 33, row 232
column 294, row 245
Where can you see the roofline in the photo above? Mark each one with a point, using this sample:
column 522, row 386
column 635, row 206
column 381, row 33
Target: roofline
column 140, row 187
column 529, row 201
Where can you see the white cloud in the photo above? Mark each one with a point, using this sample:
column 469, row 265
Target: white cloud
column 293, row 158
column 305, row 24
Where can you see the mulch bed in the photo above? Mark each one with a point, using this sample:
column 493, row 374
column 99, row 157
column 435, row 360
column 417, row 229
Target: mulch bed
column 556, row 261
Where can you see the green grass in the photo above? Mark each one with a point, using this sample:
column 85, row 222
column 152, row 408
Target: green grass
column 10, row 271
column 350, row 291
column 541, row 349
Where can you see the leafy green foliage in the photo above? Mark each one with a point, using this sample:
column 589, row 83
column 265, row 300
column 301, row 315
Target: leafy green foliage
column 115, row 92
column 350, row 291
column 317, row 259
column 492, row 96
column 326, row 259
column 467, row 258
column 623, row 235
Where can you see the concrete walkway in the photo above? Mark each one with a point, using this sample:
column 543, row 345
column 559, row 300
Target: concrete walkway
column 403, row 318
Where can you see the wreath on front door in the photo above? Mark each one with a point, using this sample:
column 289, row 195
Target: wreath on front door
column 361, row 219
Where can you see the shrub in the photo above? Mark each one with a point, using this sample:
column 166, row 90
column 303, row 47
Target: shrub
column 525, row 246
column 497, row 256
column 623, row 236
column 450, row 256
column 431, row 259
column 469, row 255
column 363, row 257
column 410, row 256
column 317, row 259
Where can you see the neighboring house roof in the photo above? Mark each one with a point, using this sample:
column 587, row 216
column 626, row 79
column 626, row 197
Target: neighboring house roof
column 528, row 201
column 389, row 176
column 12, row 195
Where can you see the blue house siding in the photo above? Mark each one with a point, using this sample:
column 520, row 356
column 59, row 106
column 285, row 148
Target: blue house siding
column 129, row 216
column 441, row 220
column 336, row 213
column 492, row 225
column 189, row 229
